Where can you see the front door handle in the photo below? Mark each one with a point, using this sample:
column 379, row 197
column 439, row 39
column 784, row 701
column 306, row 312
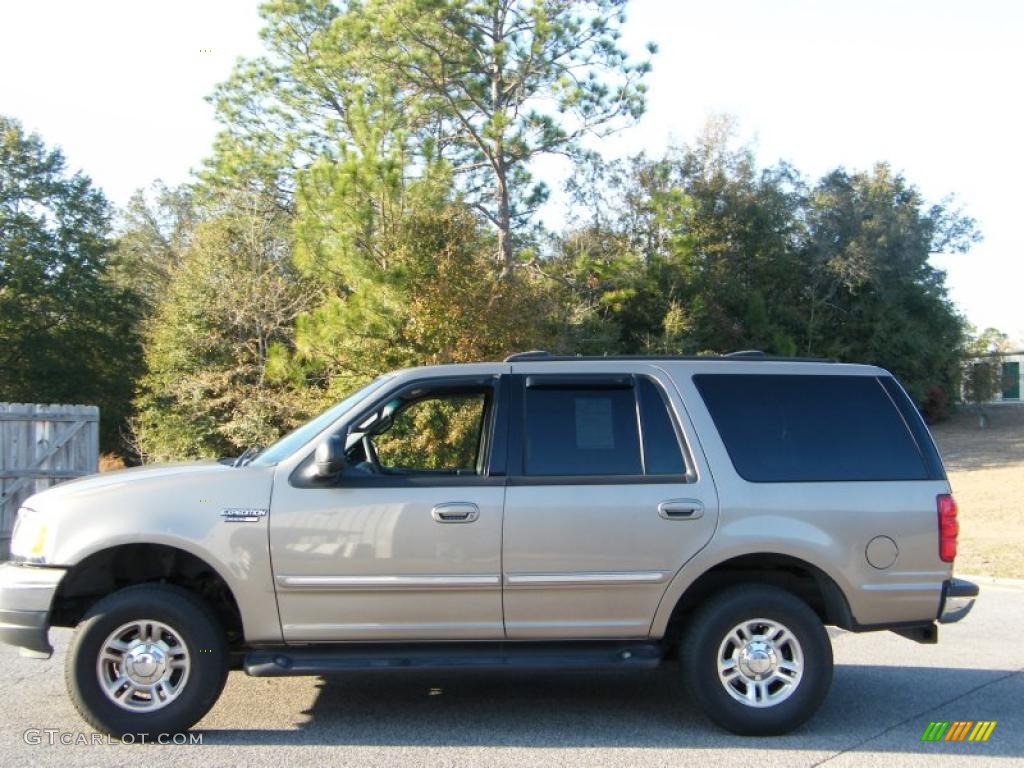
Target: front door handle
column 455, row 512
column 681, row 509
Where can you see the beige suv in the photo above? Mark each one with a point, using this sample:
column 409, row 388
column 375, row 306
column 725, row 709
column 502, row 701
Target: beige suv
column 540, row 512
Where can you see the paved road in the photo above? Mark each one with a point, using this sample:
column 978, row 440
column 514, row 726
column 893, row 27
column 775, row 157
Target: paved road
column 886, row 690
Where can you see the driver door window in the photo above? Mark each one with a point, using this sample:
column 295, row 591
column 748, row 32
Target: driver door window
column 437, row 434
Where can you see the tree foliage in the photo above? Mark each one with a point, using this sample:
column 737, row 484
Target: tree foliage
column 490, row 84
column 482, row 85
column 153, row 231
column 406, row 279
column 68, row 331
column 702, row 251
column 982, row 371
column 230, row 305
column 383, row 225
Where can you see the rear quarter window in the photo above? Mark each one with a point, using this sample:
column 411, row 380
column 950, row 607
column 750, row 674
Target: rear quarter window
column 787, row 428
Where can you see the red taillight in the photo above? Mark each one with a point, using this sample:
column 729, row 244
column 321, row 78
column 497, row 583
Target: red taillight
column 948, row 528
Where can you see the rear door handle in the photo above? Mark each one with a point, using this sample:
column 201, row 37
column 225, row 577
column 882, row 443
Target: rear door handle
column 455, row 512
column 681, row 509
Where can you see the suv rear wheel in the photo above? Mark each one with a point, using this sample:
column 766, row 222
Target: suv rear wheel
column 757, row 660
column 149, row 659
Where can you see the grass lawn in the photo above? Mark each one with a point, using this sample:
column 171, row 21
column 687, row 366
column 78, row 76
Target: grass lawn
column 986, row 470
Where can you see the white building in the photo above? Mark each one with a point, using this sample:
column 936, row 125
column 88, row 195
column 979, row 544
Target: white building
column 1012, row 369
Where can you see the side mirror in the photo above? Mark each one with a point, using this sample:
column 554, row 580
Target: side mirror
column 330, row 457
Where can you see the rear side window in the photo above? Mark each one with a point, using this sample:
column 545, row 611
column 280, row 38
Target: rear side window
column 782, row 428
column 618, row 427
column 582, row 432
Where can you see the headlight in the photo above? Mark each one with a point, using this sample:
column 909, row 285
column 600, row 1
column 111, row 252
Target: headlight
column 32, row 537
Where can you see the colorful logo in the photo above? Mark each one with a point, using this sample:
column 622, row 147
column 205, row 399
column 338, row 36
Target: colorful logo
column 958, row 730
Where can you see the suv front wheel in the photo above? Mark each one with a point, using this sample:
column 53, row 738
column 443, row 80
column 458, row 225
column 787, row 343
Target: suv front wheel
column 146, row 660
column 757, row 660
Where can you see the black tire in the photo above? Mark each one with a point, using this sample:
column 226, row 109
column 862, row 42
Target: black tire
column 707, row 630
column 190, row 618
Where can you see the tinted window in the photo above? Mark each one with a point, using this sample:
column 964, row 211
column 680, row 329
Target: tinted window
column 918, row 429
column 582, row 431
column 810, row 428
column 662, row 455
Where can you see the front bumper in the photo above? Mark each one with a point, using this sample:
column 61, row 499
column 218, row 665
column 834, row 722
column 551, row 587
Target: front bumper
column 958, row 596
column 26, row 594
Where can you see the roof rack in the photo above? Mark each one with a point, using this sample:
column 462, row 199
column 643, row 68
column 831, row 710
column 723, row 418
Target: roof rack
column 746, row 355
column 533, row 354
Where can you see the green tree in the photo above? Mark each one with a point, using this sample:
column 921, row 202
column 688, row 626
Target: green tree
column 495, row 83
column 300, row 101
column 68, row 331
column 485, row 86
column 596, row 280
column 153, row 231
column 354, row 155
column 981, row 373
column 981, row 382
column 702, row 250
column 228, row 313
column 871, row 290
column 405, row 276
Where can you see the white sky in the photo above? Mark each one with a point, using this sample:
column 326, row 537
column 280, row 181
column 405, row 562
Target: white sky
column 927, row 85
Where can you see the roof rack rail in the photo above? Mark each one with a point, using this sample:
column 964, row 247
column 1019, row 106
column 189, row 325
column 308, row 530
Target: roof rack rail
column 533, row 354
column 745, row 355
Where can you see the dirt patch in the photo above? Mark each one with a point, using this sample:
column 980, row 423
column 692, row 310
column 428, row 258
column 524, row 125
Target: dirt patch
column 986, row 470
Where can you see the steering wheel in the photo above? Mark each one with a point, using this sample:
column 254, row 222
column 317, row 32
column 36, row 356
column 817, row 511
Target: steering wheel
column 371, row 454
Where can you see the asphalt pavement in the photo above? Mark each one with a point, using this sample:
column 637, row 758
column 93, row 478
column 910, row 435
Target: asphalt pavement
column 886, row 691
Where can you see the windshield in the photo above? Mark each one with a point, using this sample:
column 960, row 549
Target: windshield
column 299, row 436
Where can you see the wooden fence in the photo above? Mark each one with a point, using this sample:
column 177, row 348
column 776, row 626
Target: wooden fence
column 41, row 445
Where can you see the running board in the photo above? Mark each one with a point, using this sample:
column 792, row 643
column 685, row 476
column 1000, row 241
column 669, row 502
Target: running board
column 314, row 660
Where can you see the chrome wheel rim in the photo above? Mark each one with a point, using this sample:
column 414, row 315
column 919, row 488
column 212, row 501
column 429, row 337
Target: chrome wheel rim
column 760, row 663
column 143, row 665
